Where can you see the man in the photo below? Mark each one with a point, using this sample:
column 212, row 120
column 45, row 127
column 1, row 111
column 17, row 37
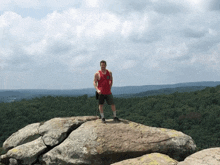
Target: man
column 105, row 80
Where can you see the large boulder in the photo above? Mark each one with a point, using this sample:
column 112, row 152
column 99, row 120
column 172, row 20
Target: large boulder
column 207, row 156
column 154, row 158
column 97, row 143
column 22, row 136
column 56, row 130
column 28, row 143
column 26, row 153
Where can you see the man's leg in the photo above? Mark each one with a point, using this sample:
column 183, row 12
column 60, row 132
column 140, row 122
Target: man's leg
column 111, row 102
column 101, row 103
column 114, row 113
column 101, row 110
column 113, row 109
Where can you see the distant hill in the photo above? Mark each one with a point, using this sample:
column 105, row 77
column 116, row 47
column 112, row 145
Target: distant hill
column 126, row 91
column 10, row 93
column 9, row 96
column 163, row 91
column 139, row 89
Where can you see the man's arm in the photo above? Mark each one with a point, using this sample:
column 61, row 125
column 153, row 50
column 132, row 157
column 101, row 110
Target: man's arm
column 111, row 79
column 95, row 81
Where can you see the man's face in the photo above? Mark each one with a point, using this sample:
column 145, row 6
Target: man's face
column 103, row 66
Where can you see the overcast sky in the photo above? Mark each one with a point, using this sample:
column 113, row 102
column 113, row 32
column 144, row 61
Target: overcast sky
column 50, row 44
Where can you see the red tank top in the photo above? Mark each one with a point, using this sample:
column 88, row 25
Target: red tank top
column 103, row 83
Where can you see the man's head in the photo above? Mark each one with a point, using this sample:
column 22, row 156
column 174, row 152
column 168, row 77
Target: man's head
column 103, row 64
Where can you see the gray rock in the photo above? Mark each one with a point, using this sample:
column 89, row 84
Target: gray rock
column 74, row 150
column 13, row 161
column 26, row 153
column 56, row 130
column 154, row 159
column 205, row 157
column 85, row 140
column 22, row 136
column 97, row 143
column 29, row 142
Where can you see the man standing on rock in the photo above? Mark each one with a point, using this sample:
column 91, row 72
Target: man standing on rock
column 105, row 80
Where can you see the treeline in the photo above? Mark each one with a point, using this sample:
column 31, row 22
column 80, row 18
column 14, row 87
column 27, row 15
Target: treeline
column 196, row 114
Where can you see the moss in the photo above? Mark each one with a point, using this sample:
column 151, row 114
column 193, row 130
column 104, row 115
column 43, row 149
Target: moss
column 14, row 150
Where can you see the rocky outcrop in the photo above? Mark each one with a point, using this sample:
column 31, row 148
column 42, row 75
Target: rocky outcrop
column 85, row 140
column 207, row 156
column 56, row 130
column 98, row 143
column 28, row 152
column 24, row 144
column 154, row 158
column 22, row 136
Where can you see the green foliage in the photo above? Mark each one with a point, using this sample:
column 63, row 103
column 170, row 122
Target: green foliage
column 195, row 113
column 2, row 151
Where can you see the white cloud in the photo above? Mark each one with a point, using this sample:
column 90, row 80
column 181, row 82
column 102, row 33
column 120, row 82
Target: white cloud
column 79, row 62
column 91, row 3
column 11, row 4
column 135, row 26
column 198, row 5
column 105, row 24
column 209, row 60
column 126, row 28
column 128, row 64
column 54, row 5
column 130, row 35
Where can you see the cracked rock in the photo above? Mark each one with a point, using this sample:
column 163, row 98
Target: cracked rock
column 27, row 153
column 22, row 136
column 97, row 143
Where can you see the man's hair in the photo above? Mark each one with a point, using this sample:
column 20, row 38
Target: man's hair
column 103, row 62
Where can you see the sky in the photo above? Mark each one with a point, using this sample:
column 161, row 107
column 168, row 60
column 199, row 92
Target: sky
column 51, row 44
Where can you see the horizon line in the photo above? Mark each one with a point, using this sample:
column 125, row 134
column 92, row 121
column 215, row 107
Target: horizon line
column 115, row 86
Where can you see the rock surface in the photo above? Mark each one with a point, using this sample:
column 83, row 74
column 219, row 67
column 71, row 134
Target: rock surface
column 86, row 140
column 34, row 139
column 205, row 157
column 27, row 153
column 22, row 136
column 154, row 159
column 98, row 143
column 56, row 130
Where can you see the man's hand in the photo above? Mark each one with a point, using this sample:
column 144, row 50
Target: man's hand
column 99, row 92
